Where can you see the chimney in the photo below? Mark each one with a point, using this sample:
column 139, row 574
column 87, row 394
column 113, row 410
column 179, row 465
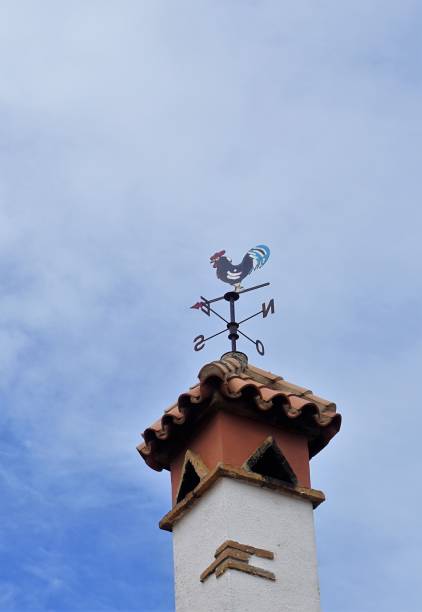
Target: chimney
column 238, row 446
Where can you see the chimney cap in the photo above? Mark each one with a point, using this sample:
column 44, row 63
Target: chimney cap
column 232, row 382
column 241, row 357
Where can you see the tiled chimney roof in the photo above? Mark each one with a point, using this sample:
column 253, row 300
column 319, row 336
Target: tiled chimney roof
column 232, row 384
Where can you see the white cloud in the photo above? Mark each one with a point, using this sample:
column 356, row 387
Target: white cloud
column 137, row 139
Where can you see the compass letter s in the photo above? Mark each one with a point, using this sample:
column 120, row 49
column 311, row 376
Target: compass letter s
column 199, row 343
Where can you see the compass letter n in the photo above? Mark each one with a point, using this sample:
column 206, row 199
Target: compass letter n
column 267, row 308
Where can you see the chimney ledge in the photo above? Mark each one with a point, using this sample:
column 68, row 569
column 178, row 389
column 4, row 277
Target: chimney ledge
column 228, row 471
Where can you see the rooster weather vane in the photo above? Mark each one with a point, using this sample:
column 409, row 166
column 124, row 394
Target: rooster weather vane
column 233, row 275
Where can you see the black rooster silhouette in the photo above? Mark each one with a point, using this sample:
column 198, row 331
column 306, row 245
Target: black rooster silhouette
column 254, row 259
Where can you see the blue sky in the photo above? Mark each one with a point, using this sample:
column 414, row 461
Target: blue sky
column 136, row 139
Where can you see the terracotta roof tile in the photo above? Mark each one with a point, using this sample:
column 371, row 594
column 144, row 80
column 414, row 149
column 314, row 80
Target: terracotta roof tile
column 268, row 394
column 298, row 403
column 231, row 377
column 157, row 425
column 174, row 412
column 236, row 384
column 264, row 373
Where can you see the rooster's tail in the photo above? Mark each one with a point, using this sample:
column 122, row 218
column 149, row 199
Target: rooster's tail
column 260, row 255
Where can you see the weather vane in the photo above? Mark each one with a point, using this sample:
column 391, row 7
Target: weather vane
column 233, row 275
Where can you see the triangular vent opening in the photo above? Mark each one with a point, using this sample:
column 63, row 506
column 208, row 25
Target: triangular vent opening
column 269, row 461
column 190, row 480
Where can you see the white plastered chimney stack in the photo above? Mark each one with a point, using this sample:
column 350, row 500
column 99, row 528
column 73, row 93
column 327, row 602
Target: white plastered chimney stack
column 238, row 447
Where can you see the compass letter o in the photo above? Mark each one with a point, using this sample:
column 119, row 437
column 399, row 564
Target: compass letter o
column 199, row 343
column 260, row 347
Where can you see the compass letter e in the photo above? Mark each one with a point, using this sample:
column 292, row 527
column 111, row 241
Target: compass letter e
column 206, row 308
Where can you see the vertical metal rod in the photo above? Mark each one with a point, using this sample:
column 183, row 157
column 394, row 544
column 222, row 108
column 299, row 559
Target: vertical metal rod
column 233, row 320
column 232, row 326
